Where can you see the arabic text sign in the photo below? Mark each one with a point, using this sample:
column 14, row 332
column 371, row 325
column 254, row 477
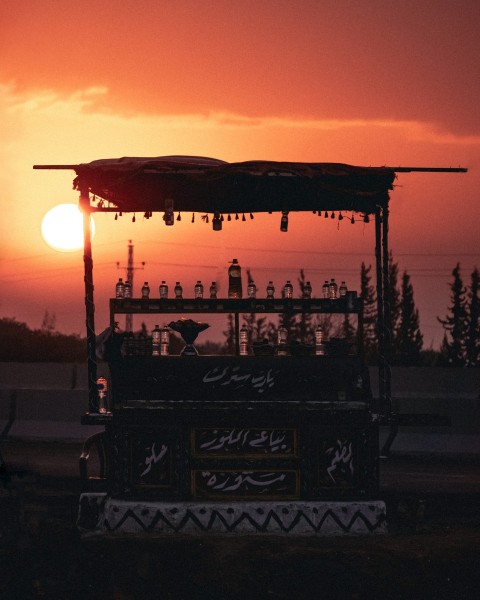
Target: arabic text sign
column 246, row 484
column 337, row 464
column 151, row 461
column 234, row 378
column 244, row 442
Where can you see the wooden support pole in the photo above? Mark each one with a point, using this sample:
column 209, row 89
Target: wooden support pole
column 89, row 301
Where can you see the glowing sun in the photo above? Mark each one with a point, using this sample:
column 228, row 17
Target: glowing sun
column 62, row 228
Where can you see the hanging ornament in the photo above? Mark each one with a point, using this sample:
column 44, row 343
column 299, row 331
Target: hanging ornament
column 243, row 217
column 251, row 215
column 116, row 217
column 216, row 222
column 229, row 218
column 133, row 218
column 193, row 217
column 179, row 217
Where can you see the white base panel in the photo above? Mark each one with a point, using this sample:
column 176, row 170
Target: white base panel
column 100, row 514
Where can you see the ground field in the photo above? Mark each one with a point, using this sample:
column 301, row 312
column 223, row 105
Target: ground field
column 432, row 549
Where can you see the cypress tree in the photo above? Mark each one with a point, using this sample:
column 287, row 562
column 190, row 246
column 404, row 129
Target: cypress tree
column 409, row 337
column 367, row 292
column 472, row 343
column 455, row 323
column 304, row 327
column 394, row 300
column 229, row 334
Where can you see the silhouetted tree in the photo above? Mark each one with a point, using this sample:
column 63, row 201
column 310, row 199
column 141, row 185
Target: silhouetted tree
column 49, row 322
column 409, row 338
column 229, row 334
column 367, row 292
column 257, row 327
column 472, row 342
column 455, row 323
column 19, row 343
column 348, row 329
column 394, row 301
column 304, row 328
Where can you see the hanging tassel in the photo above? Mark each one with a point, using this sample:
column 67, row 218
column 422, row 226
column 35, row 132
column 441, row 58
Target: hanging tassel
column 133, row 218
column 243, row 217
column 116, row 217
column 193, row 217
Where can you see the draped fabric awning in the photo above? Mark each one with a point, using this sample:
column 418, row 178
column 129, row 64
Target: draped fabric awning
column 198, row 184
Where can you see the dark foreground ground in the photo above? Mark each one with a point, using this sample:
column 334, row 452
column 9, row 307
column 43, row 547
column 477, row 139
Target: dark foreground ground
column 432, row 549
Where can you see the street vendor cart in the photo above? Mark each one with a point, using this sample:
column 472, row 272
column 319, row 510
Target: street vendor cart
column 266, row 439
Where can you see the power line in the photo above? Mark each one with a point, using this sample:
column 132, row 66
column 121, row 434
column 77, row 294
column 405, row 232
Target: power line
column 318, row 252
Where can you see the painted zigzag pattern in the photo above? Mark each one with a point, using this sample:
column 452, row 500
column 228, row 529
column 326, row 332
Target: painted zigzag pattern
column 259, row 525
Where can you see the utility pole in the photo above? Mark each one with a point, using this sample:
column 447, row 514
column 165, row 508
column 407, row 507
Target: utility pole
column 130, row 273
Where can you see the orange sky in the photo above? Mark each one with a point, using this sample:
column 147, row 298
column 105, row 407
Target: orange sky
column 370, row 83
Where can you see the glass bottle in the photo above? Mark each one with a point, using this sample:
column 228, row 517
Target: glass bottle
column 163, row 290
column 198, row 290
column 164, row 340
column 156, row 337
column 282, row 336
column 332, row 289
column 251, row 289
column 319, row 347
column 325, row 289
column 128, row 289
column 145, row 290
column 342, row 290
column 234, row 280
column 213, row 290
column 244, row 340
column 270, row 290
column 120, row 289
column 288, row 290
column 178, row 291
column 307, row 290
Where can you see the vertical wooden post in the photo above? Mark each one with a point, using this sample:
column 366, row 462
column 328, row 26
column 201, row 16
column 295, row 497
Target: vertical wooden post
column 380, row 321
column 237, row 334
column 387, row 325
column 89, row 301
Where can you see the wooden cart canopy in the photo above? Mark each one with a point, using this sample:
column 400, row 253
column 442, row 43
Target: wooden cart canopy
column 207, row 185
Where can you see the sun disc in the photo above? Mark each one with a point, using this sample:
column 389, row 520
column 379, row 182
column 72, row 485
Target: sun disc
column 62, row 228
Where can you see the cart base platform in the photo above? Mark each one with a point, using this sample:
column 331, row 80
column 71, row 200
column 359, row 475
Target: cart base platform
column 101, row 515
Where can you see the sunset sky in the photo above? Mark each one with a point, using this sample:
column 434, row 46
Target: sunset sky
column 366, row 83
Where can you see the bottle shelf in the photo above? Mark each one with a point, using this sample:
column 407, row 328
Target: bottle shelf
column 349, row 304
